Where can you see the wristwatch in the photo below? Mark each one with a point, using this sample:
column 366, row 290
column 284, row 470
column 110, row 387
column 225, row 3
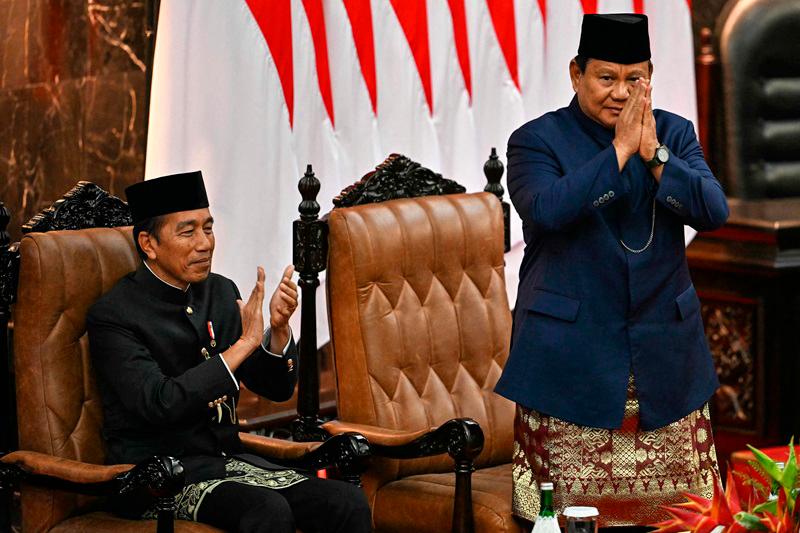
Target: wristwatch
column 661, row 157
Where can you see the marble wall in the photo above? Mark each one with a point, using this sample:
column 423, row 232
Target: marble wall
column 72, row 98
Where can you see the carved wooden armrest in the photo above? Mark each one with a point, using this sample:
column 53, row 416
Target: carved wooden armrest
column 160, row 476
column 348, row 452
column 461, row 438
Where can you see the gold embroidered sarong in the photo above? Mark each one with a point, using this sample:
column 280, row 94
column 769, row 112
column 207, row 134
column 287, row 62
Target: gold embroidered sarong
column 236, row 471
column 626, row 473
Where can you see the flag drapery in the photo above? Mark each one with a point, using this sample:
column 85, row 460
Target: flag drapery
column 250, row 91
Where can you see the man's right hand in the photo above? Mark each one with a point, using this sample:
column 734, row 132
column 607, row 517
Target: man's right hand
column 252, row 313
column 628, row 131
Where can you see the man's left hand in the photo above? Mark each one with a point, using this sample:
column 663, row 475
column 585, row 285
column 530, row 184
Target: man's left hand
column 281, row 307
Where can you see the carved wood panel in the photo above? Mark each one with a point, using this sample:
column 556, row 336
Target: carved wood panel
column 730, row 324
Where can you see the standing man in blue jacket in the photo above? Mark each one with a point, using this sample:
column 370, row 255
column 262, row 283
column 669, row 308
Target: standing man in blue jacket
column 609, row 365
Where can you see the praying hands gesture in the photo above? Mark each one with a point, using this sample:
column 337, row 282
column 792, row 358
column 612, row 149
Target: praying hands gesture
column 635, row 131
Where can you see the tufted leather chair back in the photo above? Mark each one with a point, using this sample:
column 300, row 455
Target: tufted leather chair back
column 759, row 46
column 58, row 405
column 420, row 318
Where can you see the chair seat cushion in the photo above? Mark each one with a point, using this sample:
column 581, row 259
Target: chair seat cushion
column 102, row 522
column 426, row 500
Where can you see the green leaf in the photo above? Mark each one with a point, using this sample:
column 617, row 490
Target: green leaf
column 789, row 477
column 769, row 466
column 768, row 506
column 750, row 521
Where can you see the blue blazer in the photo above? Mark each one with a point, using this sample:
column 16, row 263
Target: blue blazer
column 589, row 313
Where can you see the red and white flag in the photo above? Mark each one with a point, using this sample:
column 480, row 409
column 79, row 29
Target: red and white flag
column 250, row 91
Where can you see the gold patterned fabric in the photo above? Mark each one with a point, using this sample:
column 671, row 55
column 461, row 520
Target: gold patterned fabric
column 236, row 471
column 626, row 473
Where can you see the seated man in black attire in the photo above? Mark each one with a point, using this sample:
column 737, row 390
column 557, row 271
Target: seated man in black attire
column 170, row 343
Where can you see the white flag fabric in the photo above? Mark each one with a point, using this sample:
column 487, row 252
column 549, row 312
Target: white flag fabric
column 251, row 91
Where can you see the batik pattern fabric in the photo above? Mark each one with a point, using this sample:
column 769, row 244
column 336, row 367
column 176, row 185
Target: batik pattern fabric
column 190, row 499
column 626, row 473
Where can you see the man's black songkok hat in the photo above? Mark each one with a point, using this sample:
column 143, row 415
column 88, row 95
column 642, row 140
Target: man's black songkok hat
column 618, row 38
column 168, row 194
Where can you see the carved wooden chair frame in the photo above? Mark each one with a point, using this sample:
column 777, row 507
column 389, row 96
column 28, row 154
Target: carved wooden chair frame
column 85, row 206
column 397, row 177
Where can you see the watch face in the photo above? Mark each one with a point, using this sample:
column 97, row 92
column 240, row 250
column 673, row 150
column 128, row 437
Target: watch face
column 662, row 154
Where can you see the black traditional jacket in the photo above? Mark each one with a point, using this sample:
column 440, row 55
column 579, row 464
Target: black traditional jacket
column 155, row 351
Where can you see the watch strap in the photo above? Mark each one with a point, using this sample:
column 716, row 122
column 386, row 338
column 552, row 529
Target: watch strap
column 655, row 161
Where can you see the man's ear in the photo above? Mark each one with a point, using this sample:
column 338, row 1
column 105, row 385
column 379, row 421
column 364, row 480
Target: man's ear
column 146, row 243
column 574, row 74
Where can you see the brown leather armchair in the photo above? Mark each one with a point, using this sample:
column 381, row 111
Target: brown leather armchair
column 420, row 330
column 60, row 462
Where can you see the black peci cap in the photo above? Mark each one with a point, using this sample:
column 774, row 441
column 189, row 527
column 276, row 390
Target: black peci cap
column 168, row 194
column 618, row 38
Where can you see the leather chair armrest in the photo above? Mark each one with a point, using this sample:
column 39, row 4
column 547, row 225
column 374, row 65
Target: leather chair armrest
column 41, row 464
column 160, row 476
column 461, row 438
column 278, row 449
column 374, row 434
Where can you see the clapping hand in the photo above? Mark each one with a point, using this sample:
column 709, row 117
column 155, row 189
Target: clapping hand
column 252, row 314
column 281, row 307
column 283, row 302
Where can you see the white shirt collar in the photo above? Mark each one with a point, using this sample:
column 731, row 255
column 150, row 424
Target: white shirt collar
column 165, row 282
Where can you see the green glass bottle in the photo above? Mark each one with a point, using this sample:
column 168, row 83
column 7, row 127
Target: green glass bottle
column 546, row 522
column 546, row 507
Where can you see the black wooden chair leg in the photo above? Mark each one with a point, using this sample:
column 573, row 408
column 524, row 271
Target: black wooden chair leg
column 463, row 517
column 166, row 514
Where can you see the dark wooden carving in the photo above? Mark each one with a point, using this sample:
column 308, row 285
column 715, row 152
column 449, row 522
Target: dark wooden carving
column 729, row 329
column 462, row 439
column 310, row 258
column 9, row 269
column 397, row 177
column 161, row 477
column 707, row 75
column 459, row 437
column 348, row 453
column 85, row 206
column 493, row 170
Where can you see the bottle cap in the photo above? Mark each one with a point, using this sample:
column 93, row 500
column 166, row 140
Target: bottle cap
column 546, row 485
column 581, row 512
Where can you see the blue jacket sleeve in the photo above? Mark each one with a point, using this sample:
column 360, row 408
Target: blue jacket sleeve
column 547, row 198
column 689, row 189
